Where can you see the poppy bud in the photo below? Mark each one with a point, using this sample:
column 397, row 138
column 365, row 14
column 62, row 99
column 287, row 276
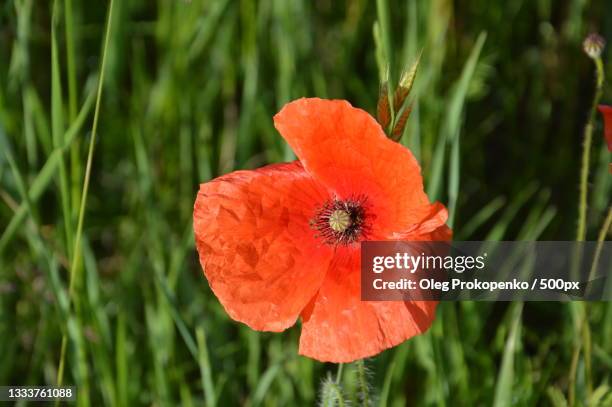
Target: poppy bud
column 593, row 45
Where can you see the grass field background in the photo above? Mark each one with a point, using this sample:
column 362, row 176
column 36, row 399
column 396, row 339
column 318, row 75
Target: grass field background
column 188, row 93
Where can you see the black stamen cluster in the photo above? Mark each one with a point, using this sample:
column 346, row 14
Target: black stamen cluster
column 356, row 229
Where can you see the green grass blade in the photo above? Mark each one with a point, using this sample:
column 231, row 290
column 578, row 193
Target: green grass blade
column 57, row 130
column 481, row 217
column 205, row 369
column 384, row 28
column 505, row 379
column 46, row 174
column 264, row 384
column 451, row 127
column 75, row 260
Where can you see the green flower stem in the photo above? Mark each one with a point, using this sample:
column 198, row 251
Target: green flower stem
column 339, row 373
column 363, row 383
column 586, row 152
column 585, row 330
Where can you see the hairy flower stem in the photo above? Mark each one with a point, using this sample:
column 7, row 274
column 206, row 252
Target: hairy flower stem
column 331, row 390
column 332, row 395
column 585, row 330
column 364, row 393
column 586, row 151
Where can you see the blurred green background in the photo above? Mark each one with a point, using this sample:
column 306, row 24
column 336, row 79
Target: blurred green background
column 190, row 88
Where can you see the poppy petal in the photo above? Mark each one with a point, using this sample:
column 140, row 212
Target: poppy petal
column 338, row 327
column 606, row 111
column 432, row 227
column 347, row 150
column 255, row 244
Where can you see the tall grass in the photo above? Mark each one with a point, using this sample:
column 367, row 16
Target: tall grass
column 189, row 89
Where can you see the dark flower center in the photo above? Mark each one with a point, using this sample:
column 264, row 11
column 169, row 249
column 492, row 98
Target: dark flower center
column 341, row 222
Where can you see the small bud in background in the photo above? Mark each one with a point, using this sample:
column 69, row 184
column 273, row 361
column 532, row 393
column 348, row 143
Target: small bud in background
column 593, row 45
column 383, row 112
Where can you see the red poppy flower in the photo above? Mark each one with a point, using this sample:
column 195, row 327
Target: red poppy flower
column 606, row 111
column 282, row 241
